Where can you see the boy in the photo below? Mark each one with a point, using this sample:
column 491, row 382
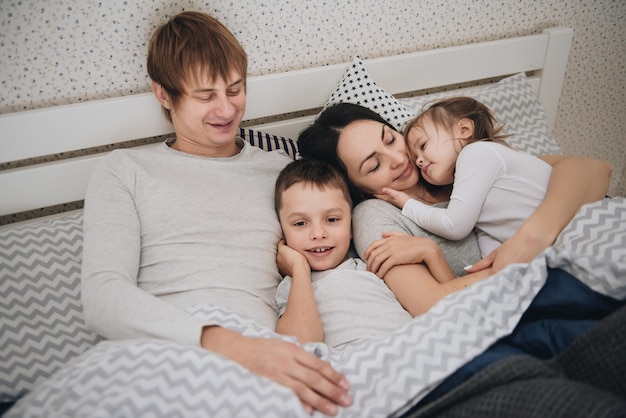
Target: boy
column 328, row 294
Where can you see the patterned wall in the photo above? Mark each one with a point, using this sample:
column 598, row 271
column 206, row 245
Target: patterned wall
column 64, row 51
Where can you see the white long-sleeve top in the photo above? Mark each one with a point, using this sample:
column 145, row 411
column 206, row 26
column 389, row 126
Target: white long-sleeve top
column 165, row 230
column 495, row 189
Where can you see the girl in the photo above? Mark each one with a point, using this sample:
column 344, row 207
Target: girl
column 495, row 188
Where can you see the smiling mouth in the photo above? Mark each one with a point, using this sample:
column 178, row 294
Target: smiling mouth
column 405, row 172
column 222, row 126
column 320, row 250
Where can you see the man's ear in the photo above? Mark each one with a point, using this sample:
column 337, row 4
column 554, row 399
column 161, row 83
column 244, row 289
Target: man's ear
column 466, row 125
column 161, row 95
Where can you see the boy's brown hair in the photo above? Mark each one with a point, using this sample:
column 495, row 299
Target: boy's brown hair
column 190, row 46
column 313, row 172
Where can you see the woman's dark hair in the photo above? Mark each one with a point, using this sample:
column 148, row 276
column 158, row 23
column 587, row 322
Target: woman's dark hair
column 319, row 141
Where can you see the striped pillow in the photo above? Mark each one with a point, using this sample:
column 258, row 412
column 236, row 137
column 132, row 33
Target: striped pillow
column 269, row 142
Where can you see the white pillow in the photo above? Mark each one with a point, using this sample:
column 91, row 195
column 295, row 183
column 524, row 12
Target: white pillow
column 356, row 86
column 514, row 104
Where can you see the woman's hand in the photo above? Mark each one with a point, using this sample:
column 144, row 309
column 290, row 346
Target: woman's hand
column 396, row 248
column 313, row 380
column 520, row 248
column 395, row 197
column 574, row 182
column 287, row 259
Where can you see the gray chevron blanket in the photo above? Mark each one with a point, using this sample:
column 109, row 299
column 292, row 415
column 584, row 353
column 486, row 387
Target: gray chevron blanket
column 389, row 375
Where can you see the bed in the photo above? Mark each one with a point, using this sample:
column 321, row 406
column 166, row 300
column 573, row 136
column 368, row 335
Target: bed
column 51, row 364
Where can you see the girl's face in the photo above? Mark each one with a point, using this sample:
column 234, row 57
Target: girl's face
column 435, row 150
column 317, row 223
column 375, row 157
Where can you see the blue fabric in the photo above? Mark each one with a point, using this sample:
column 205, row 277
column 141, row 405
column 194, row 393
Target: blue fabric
column 561, row 311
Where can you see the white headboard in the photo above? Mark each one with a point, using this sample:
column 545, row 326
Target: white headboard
column 62, row 130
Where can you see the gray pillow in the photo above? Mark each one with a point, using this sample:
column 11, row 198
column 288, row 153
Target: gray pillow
column 42, row 325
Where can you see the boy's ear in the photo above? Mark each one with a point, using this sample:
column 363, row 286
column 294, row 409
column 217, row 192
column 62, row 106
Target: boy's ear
column 161, row 95
column 466, row 125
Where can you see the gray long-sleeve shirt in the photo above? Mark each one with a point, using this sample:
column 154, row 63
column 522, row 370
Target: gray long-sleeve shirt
column 165, row 230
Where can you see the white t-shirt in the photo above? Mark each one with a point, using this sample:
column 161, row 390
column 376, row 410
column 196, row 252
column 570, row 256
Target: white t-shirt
column 352, row 302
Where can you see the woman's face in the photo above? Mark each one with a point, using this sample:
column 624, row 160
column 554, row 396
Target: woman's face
column 376, row 157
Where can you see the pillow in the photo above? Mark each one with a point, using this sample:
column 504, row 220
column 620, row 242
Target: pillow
column 42, row 325
column 269, row 142
column 514, row 104
column 356, row 86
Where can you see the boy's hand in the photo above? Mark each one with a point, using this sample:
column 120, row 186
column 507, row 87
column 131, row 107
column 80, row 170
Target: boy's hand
column 287, row 259
column 396, row 248
column 396, row 198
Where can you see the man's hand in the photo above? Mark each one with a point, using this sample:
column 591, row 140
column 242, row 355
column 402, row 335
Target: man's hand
column 312, row 379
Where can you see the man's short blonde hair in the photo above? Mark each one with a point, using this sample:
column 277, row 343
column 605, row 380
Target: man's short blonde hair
column 192, row 46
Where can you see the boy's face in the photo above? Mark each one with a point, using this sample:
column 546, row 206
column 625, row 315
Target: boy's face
column 208, row 115
column 317, row 224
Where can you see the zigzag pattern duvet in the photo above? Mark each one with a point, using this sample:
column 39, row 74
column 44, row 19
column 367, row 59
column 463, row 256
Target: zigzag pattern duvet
column 150, row 378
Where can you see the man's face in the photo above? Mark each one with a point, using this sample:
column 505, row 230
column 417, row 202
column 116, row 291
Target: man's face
column 208, row 115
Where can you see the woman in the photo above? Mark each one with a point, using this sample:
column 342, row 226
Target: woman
column 511, row 377
column 373, row 155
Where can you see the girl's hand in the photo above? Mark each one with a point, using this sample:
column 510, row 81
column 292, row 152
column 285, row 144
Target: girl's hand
column 396, row 198
column 287, row 259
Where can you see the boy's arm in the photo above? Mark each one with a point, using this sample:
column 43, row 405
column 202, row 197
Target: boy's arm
column 396, row 248
column 300, row 318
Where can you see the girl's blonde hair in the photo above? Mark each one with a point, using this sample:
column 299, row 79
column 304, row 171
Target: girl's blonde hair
column 448, row 112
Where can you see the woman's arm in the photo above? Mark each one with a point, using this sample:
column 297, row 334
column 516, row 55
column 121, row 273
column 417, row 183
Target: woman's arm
column 418, row 291
column 374, row 219
column 413, row 284
column 574, row 182
column 300, row 318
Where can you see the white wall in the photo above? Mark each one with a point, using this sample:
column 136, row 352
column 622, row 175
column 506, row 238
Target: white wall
column 65, row 51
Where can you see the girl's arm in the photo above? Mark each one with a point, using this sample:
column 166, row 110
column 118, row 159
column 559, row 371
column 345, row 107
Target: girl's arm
column 300, row 318
column 574, row 182
column 477, row 169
